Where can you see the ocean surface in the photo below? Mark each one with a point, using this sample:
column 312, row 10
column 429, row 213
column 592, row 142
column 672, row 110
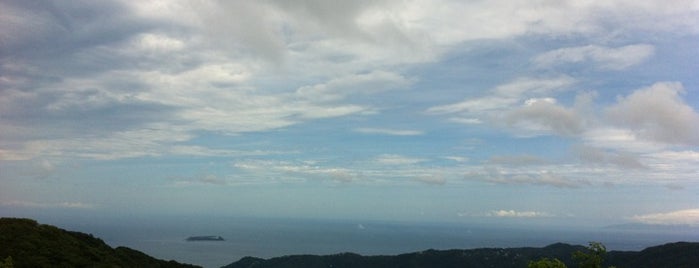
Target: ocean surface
column 267, row 238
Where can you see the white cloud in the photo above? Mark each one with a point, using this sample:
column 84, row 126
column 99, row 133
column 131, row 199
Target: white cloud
column 209, row 97
column 515, row 177
column 205, row 66
column 304, row 171
column 539, row 114
column 619, row 139
column 465, row 121
column 604, row 57
column 517, row 214
column 679, row 217
column 506, row 95
column 629, row 159
column 600, row 156
column 431, row 179
column 473, row 105
column 364, row 84
column 392, row 159
column 133, row 143
column 388, row 131
column 673, row 167
column 459, row 159
column 155, row 43
column 29, row 204
column 657, row 113
column 236, row 108
column 517, row 160
column 381, row 170
column 208, row 179
column 545, row 115
column 527, row 86
column 677, row 156
column 502, row 97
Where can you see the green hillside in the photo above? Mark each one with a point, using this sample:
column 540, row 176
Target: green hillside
column 674, row 255
column 25, row 243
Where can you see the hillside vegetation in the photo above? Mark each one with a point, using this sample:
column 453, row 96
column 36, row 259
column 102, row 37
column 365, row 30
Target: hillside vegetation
column 674, row 255
column 26, row 243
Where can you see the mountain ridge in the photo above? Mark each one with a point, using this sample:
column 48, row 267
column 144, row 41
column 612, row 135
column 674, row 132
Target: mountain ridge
column 30, row 244
column 678, row 254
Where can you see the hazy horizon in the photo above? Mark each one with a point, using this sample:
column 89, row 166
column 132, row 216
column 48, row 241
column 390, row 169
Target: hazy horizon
column 522, row 113
column 164, row 237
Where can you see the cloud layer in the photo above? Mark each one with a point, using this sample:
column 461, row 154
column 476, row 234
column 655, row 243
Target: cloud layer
column 408, row 96
column 679, row 217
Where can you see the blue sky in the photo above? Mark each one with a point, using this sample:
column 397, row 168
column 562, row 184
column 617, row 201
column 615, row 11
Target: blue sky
column 552, row 112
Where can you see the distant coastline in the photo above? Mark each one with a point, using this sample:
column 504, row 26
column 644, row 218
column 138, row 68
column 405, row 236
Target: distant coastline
column 205, row 238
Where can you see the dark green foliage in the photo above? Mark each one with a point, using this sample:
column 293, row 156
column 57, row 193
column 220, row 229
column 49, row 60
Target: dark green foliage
column 38, row 245
column 546, row 263
column 7, row 263
column 484, row 257
column 679, row 254
column 592, row 257
column 559, row 255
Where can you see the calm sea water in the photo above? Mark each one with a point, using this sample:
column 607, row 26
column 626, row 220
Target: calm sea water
column 277, row 237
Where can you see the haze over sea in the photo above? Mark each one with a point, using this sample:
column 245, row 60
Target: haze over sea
column 164, row 237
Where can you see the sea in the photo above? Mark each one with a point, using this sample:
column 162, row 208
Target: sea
column 270, row 237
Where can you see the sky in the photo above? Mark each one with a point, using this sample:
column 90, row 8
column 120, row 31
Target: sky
column 523, row 112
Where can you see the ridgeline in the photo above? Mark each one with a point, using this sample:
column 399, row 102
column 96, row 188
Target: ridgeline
column 673, row 255
column 25, row 243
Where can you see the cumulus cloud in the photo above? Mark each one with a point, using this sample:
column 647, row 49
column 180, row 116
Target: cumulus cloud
column 537, row 114
column 620, row 139
column 505, row 95
column 679, row 217
column 657, row 113
column 604, row 57
column 118, row 79
column 545, row 114
column 517, row 214
column 149, row 82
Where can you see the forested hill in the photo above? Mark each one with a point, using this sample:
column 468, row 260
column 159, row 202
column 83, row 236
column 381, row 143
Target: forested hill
column 681, row 254
column 25, row 243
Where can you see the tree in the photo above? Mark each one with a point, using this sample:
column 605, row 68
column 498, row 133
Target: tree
column 593, row 256
column 7, row 263
column 547, row 263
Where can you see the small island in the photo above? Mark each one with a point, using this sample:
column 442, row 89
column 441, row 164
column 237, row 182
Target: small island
column 205, row 238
